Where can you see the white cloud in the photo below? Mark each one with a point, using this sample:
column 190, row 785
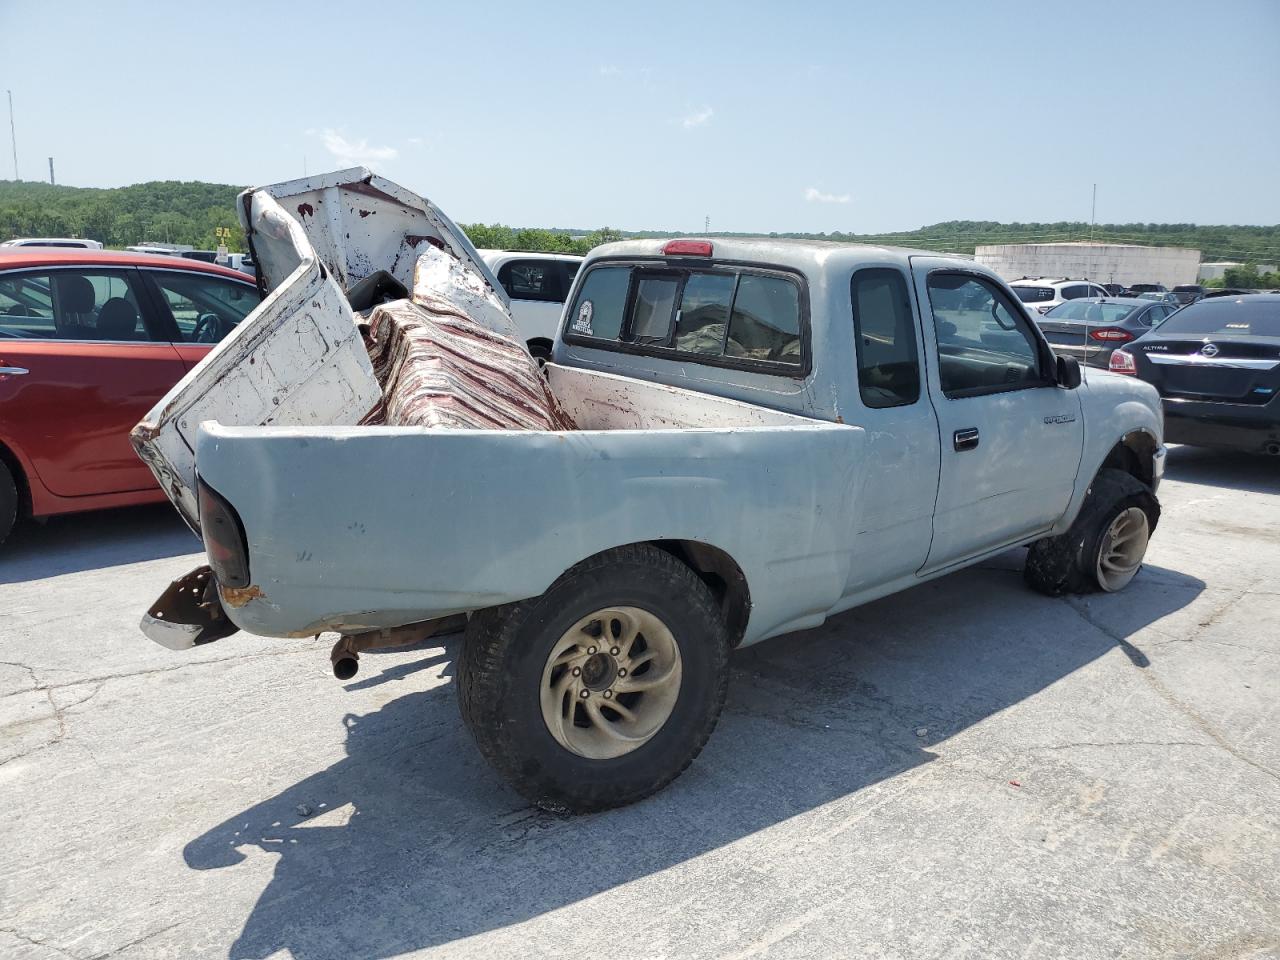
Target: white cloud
column 814, row 195
column 611, row 70
column 697, row 118
column 355, row 153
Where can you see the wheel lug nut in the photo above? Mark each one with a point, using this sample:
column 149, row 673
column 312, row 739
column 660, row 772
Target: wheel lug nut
column 591, row 650
column 584, row 694
column 615, row 651
column 622, row 671
column 577, row 671
column 608, row 694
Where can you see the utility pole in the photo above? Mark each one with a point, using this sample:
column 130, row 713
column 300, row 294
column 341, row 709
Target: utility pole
column 706, row 224
column 13, row 137
column 1093, row 212
column 51, row 180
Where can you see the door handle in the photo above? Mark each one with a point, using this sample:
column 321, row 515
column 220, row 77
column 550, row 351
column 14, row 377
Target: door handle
column 14, row 371
column 966, row 439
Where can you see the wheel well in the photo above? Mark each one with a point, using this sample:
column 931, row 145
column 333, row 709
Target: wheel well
column 1134, row 454
column 19, row 480
column 539, row 343
column 722, row 574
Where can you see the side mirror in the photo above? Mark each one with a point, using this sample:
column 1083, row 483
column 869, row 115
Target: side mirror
column 1068, row 372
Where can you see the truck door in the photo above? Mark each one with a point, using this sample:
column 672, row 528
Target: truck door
column 895, row 515
column 1011, row 438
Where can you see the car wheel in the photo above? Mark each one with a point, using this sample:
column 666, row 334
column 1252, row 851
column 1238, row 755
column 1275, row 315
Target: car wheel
column 1104, row 548
column 8, row 501
column 602, row 690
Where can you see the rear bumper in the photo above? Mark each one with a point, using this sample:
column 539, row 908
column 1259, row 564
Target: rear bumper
column 188, row 613
column 1093, row 356
column 1248, row 427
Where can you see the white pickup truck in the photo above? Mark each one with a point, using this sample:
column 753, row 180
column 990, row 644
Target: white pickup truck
column 768, row 432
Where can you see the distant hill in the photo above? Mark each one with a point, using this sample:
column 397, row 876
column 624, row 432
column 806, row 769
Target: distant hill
column 176, row 211
column 171, row 211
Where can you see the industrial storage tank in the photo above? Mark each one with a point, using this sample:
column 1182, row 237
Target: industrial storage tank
column 1121, row 263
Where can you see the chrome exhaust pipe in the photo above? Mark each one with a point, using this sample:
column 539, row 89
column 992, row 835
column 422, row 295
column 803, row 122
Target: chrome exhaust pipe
column 345, row 655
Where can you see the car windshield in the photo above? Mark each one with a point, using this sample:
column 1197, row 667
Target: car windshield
column 1034, row 294
column 1089, row 311
column 1226, row 318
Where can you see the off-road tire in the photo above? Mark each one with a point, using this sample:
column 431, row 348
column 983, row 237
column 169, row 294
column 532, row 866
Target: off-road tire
column 500, row 673
column 8, row 501
column 1068, row 563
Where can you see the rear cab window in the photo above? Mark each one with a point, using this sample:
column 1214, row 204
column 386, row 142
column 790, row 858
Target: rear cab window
column 742, row 316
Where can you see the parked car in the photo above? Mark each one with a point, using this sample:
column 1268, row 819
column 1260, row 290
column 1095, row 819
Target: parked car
column 767, row 432
column 1227, row 292
column 77, row 243
column 1043, row 294
column 1188, row 293
column 89, row 341
column 537, row 284
column 1091, row 329
column 1153, row 296
column 1216, row 364
column 1139, row 288
column 1115, row 289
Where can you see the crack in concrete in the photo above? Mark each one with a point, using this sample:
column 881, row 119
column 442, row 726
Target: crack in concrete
column 133, row 943
column 36, row 941
column 1140, row 659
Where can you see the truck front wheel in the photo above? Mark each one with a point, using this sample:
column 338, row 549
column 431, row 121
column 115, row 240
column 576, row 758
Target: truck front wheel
column 602, row 690
column 1104, row 548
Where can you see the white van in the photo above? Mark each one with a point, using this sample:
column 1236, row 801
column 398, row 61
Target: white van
column 537, row 284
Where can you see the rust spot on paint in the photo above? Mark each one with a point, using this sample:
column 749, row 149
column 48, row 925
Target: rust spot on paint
column 365, row 213
column 305, row 210
column 239, row 596
column 413, row 239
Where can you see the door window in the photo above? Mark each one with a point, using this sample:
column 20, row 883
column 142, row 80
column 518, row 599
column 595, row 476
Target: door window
column 532, row 280
column 885, row 337
column 87, row 304
column 205, row 308
column 985, row 344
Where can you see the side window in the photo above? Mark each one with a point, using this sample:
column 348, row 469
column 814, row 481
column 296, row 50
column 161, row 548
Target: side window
column 532, row 280
column 885, row 338
column 1154, row 316
column 205, row 308
column 984, row 343
column 601, row 304
column 72, row 305
column 765, row 324
column 1074, row 292
column 1096, row 291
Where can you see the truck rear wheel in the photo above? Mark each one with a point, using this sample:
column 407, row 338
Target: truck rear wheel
column 602, row 690
column 8, row 501
column 1104, row 548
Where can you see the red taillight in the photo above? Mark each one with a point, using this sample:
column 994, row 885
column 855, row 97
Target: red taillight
column 1111, row 334
column 1122, row 362
column 223, row 539
column 687, row 248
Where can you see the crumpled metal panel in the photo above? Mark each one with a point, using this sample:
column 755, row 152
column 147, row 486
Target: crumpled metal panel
column 440, row 368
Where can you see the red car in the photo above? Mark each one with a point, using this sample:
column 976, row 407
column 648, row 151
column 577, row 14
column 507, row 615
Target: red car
column 89, row 341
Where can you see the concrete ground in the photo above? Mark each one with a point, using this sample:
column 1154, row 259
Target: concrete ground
column 964, row 770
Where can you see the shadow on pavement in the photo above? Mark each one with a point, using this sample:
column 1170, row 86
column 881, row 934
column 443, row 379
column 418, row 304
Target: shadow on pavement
column 411, row 841
column 1255, row 473
column 87, row 541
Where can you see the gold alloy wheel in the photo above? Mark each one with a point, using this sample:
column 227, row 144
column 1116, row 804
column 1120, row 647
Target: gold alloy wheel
column 611, row 682
column 1122, row 549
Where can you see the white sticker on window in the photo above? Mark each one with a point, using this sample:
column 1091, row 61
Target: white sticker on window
column 582, row 322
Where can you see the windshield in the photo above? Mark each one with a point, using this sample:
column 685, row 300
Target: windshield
column 1034, row 294
column 1087, row 312
column 1226, row 318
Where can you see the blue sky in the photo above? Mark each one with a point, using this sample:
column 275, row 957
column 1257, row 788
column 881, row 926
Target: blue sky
column 763, row 116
